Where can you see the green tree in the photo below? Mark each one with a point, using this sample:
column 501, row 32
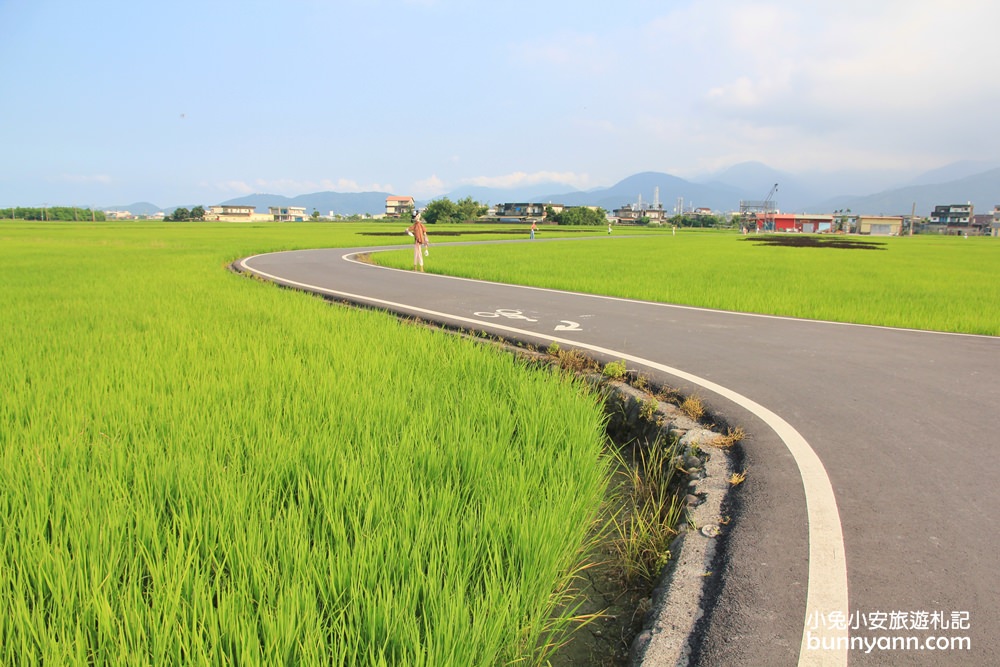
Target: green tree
column 691, row 220
column 444, row 210
column 65, row 213
column 581, row 215
column 468, row 209
column 180, row 213
column 439, row 210
column 198, row 213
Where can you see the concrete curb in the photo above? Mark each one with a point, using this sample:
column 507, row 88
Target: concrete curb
column 678, row 599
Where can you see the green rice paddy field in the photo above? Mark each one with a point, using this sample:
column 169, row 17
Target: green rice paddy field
column 197, row 467
column 200, row 468
column 942, row 283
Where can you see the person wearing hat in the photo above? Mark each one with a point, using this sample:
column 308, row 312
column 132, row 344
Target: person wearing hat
column 419, row 233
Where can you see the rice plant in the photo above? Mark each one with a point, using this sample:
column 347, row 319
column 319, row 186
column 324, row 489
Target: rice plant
column 200, row 468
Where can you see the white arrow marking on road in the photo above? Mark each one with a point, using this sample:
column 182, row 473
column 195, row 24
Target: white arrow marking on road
column 569, row 326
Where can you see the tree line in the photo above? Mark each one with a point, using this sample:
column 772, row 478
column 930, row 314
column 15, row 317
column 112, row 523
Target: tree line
column 464, row 210
column 692, row 220
column 445, row 210
column 577, row 215
column 181, row 214
column 51, row 213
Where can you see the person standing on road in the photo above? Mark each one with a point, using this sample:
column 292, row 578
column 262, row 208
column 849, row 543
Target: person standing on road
column 419, row 233
column 533, row 228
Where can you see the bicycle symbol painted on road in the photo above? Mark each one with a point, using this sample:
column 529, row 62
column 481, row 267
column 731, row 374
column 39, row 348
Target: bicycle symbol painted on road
column 509, row 313
column 515, row 314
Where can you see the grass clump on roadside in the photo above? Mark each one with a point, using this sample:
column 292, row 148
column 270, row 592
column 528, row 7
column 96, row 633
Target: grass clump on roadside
column 198, row 465
column 614, row 370
column 693, row 407
column 653, row 508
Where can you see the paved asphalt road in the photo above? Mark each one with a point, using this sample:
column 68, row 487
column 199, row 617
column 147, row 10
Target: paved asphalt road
column 872, row 490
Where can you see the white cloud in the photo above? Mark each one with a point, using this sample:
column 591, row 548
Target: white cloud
column 431, row 186
column 287, row 186
column 849, row 83
column 520, row 179
column 293, row 187
column 235, row 186
column 573, row 54
column 85, row 179
column 877, row 57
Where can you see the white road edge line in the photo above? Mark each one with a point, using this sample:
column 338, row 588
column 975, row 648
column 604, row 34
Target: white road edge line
column 827, row 582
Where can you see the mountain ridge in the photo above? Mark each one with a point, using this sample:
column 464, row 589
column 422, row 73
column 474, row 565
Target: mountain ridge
column 721, row 191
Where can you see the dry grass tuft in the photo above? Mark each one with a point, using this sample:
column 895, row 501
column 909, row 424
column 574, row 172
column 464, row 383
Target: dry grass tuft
column 693, row 407
column 732, row 437
column 576, row 361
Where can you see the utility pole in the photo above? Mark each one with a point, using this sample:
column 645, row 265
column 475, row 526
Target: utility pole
column 913, row 213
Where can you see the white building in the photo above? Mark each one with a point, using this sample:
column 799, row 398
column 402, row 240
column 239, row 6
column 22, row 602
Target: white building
column 227, row 213
column 287, row 213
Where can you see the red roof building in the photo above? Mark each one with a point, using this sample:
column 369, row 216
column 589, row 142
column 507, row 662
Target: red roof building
column 396, row 206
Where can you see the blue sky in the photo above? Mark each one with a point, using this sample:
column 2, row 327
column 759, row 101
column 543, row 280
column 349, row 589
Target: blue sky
column 108, row 102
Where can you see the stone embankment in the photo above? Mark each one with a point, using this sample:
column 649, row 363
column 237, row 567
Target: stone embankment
column 637, row 415
column 678, row 599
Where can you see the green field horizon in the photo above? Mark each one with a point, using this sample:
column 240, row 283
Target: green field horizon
column 197, row 463
column 934, row 283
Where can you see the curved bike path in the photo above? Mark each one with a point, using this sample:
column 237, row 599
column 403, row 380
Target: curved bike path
column 871, row 490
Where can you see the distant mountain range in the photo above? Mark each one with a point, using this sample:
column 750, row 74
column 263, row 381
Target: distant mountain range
column 753, row 181
column 139, row 208
column 982, row 190
column 953, row 184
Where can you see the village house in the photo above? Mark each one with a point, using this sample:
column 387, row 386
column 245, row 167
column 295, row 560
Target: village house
column 526, row 210
column 631, row 214
column 794, row 222
column 981, row 224
column 231, row 213
column 397, row 207
column 955, row 220
column 880, row 225
column 287, row 213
